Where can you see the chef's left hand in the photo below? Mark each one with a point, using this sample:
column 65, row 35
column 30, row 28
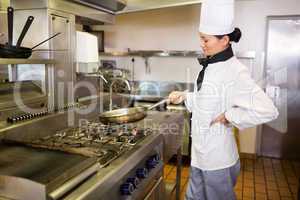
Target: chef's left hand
column 220, row 119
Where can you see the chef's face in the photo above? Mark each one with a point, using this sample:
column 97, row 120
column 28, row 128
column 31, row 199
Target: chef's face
column 212, row 45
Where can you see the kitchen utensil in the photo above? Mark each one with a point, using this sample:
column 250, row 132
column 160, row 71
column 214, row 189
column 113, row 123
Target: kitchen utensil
column 7, row 51
column 127, row 115
column 10, row 21
column 16, row 51
column 24, row 31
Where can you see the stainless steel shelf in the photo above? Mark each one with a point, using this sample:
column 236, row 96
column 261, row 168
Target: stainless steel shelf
column 158, row 53
column 13, row 61
column 154, row 53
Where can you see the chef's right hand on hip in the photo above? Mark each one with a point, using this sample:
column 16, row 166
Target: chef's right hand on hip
column 176, row 97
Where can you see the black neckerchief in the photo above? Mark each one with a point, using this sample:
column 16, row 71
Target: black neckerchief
column 219, row 57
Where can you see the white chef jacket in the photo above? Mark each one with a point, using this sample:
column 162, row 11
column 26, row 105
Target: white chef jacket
column 227, row 87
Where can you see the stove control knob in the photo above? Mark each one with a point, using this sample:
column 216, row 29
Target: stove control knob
column 151, row 163
column 14, row 119
column 134, row 180
column 127, row 189
column 156, row 157
column 142, row 173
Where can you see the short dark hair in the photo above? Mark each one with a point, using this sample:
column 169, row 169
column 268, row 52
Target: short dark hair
column 234, row 36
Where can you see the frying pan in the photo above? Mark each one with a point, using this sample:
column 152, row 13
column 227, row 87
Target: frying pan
column 127, row 115
column 16, row 51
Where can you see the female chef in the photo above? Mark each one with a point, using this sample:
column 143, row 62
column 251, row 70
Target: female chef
column 224, row 96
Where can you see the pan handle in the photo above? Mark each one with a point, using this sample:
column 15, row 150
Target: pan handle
column 24, row 31
column 45, row 41
column 167, row 100
column 10, row 22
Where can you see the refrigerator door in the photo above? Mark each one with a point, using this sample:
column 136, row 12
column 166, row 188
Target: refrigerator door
column 281, row 138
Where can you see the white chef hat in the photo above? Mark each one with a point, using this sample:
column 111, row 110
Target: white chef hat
column 217, row 17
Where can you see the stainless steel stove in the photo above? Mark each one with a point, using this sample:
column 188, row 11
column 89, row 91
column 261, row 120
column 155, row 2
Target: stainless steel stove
column 92, row 139
column 92, row 161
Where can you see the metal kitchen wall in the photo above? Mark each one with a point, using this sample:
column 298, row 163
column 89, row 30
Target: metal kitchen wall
column 281, row 138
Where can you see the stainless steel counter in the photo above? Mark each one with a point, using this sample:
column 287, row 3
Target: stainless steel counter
column 36, row 168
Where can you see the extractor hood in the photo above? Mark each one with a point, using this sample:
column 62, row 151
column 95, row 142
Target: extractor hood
column 111, row 6
column 142, row 5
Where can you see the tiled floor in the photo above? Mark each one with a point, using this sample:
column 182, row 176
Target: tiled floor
column 260, row 179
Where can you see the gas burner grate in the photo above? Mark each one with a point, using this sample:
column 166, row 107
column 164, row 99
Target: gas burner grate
column 106, row 142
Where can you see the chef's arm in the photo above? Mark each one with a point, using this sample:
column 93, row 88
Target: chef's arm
column 251, row 106
column 177, row 97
